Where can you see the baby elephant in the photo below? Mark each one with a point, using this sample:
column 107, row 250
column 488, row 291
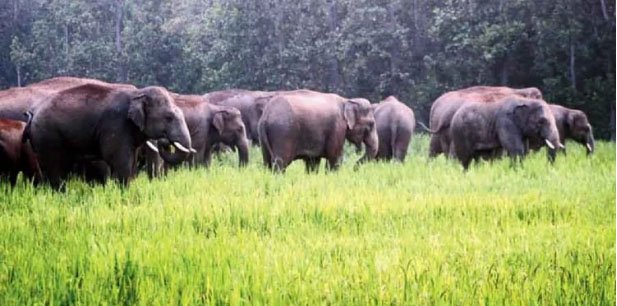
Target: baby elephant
column 16, row 156
column 395, row 125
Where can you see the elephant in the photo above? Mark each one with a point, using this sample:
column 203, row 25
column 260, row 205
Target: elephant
column 14, row 102
column 249, row 103
column 95, row 122
column 479, row 127
column 208, row 124
column 571, row 124
column 16, row 155
column 310, row 126
column 444, row 108
column 395, row 126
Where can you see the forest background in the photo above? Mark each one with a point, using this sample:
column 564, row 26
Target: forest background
column 414, row 49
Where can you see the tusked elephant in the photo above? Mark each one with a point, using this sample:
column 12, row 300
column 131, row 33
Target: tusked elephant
column 310, row 126
column 16, row 154
column 444, row 108
column 98, row 122
column 395, row 126
column 571, row 124
column 250, row 104
column 208, row 125
column 478, row 128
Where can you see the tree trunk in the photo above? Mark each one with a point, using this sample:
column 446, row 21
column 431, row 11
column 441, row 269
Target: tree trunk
column 604, row 12
column 15, row 10
column 395, row 48
column 122, row 71
column 18, row 76
column 334, row 78
column 67, row 68
column 572, row 68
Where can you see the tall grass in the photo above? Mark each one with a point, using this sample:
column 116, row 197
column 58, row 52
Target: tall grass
column 419, row 233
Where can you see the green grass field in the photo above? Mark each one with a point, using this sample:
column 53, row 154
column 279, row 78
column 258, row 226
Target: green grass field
column 419, row 233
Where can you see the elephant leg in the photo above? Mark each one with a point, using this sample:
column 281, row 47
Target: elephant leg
column 122, row 162
column 279, row 164
column 207, row 157
column 96, row 172
column 13, row 177
column 434, row 148
column 334, row 163
column 55, row 169
column 312, row 164
column 445, row 143
column 267, row 158
column 401, row 145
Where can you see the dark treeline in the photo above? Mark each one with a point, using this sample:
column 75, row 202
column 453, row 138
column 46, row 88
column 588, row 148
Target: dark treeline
column 414, row 49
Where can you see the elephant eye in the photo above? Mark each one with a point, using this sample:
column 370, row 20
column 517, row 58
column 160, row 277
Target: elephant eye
column 169, row 117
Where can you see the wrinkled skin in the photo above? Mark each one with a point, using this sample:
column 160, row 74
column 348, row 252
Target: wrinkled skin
column 16, row 155
column 208, row 125
column 395, row 126
column 310, row 126
column 478, row 128
column 101, row 123
column 573, row 125
column 444, row 108
column 250, row 104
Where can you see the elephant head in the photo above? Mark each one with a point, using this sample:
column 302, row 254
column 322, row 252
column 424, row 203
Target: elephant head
column 154, row 114
column 579, row 129
column 536, row 121
column 529, row 92
column 231, row 131
column 360, row 119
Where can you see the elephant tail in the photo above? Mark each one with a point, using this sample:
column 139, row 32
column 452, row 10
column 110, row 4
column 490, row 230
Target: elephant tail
column 426, row 128
column 26, row 134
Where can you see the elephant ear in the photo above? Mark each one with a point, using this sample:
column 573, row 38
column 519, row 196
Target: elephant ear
column 521, row 113
column 137, row 113
column 349, row 113
column 219, row 121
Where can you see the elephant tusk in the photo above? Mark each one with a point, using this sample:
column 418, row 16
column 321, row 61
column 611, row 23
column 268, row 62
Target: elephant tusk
column 193, row 150
column 561, row 146
column 152, row 146
column 181, row 147
column 589, row 147
column 549, row 144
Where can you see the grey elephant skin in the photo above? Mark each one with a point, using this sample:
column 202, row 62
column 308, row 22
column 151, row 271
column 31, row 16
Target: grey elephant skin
column 208, row 124
column 309, row 126
column 16, row 155
column 98, row 122
column 395, row 127
column 444, row 108
column 572, row 124
column 250, row 104
column 14, row 102
column 479, row 127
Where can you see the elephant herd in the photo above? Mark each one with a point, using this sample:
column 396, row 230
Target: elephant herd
column 67, row 126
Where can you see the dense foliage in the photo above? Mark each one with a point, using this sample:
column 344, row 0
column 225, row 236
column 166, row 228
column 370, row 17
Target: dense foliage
column 415, row 49
column 419, row 233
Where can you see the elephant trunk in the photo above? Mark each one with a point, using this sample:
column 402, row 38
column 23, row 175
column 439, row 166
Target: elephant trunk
column 181, row 140
column 553, row 144
column 243, row 152
column 371, row 143
column 590, row 143
column 172, row 158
